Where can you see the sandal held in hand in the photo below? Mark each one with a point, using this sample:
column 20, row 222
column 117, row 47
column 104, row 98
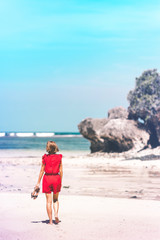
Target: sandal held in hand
column 35, row 193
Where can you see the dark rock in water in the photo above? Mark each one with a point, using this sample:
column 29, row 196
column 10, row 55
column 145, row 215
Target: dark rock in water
column 145, row 104
column 113, row 135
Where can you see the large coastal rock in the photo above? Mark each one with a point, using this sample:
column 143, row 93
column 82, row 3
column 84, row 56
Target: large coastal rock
column 118, row 112
column 115, row 133
column 145, row 104
column 90, row 128
column 122, row 135
column 137, row 128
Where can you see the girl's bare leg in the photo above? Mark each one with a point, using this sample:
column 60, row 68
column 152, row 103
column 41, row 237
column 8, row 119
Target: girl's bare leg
column 56, row 206
column 49, row 206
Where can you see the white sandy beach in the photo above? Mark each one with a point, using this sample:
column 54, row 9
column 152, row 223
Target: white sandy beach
column 82, row 217
column 101, row 198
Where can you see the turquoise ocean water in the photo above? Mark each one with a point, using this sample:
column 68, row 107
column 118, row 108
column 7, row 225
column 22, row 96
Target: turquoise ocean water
column 67, row 143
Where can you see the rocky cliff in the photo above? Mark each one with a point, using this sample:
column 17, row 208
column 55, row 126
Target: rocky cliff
column 115, row 133
column 135, row 128
column 145, row 104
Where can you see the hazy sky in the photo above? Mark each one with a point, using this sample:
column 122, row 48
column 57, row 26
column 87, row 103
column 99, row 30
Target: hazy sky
column 63, row 61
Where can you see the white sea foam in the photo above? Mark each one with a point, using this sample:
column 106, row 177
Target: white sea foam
column 40, row 134
column 44, row 134
column 2, row 134
column 24, row 134
column 12, row 134
column 67, row 136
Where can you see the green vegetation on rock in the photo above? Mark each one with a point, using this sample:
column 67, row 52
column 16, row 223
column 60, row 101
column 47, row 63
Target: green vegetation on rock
column 145, row 103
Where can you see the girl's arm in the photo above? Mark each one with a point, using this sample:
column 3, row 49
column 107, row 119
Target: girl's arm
column 40, row 175
column 61, row 171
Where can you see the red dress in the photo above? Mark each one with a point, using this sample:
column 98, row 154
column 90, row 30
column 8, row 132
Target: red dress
column 51, row 179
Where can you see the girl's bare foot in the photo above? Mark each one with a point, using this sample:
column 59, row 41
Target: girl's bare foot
column 56, row 220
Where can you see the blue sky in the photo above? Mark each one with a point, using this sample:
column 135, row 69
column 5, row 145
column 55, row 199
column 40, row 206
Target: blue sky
column 63, row 61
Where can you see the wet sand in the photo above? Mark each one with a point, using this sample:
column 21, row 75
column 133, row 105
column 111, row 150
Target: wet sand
column 87, row 175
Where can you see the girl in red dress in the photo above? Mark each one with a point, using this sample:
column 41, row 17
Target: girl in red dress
column 52, row 172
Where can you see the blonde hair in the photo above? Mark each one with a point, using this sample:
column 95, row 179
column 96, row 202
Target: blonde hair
column 52, row 147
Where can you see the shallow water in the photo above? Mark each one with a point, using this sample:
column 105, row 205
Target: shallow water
column 33, row 146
